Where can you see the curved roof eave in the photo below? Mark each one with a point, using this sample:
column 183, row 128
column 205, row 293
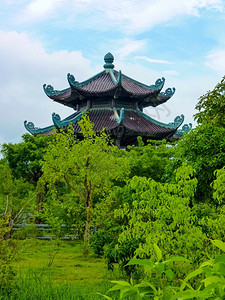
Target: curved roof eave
column 173, row 125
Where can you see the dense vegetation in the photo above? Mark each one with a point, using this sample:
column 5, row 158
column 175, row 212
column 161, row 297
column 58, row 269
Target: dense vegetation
column 156, row 211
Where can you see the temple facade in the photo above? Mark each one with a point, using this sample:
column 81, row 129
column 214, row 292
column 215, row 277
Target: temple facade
column 114, row 102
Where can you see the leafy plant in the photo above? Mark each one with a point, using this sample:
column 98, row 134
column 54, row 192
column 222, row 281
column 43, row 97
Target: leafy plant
column 211, row 106
column 86, row 166
column 156, row 287
column 211, row 286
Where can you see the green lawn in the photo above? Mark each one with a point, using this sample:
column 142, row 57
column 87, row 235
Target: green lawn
column 58, row 270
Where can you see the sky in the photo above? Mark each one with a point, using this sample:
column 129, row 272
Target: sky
column 43, row 40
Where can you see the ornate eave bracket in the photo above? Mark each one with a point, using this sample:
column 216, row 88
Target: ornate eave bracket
column 168, row 93
column 35, row 130
column 62, row 123
column 49, row 90
column 185, row 128
column 158, row 84
column 177, row 122
column 119, row 118
column 72, row 81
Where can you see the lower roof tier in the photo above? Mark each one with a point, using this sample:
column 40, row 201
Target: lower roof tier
column 124, row 125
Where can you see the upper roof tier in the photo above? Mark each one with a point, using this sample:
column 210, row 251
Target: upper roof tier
column 110, row 88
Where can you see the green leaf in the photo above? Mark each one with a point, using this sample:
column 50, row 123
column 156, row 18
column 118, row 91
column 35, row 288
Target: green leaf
column 207, row 263
column 132, row 290
column 104, row 296
column 178, row 258
column 219, row 244
column 121, row 282
column 169, row 273
column 191, row 275
column 158, row 252
column 160, row 268
column 140, row 262
column 147, row 284
column 220, row 259
column 212, row 279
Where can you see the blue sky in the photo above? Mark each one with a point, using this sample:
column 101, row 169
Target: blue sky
column 43, row 40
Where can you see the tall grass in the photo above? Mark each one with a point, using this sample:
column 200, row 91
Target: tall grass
column 35, row 286
column 69, row 275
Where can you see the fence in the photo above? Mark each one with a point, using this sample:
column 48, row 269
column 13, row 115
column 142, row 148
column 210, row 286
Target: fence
column 44, row 231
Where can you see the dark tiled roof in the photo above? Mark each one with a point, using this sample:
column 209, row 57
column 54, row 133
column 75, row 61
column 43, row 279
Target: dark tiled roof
column 104, row 83
column 137, row 123
column 133, row 121
column 100, row 84
column 102, row 118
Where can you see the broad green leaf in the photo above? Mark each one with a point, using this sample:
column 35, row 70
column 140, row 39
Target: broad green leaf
column 121, row 282
column 206, row 263
column 219, row 244
column 169, row 273
column 219, row 267
column 146, row 284
column 158, row 252
column 132, row 290
column 160, row 268
column 146, row 263
column 178, row 258
column 191, row 275
column 220, row 259
column 212, row 279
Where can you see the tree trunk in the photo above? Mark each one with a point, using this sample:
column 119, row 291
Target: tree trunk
column 87, row 230
column 40, row 197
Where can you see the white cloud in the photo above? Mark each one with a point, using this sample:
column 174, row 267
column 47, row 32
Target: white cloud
column 152, row 60
column 216, row 61
column 131, row 16
column 25, row 67
column 127, row 47
column 39, row 9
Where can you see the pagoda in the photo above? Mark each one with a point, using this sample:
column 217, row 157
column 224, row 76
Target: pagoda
column 114, row 102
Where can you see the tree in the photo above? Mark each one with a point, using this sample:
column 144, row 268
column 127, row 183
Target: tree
column 219, row 186
column 24, row 158
column 24, row 161
column 204, row 149
column 87, row 166
column 150, row 160
column 211, row 106
column 17, row 198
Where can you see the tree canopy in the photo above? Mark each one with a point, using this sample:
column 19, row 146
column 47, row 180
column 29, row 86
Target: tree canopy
column 87, row 166
column 211, row 106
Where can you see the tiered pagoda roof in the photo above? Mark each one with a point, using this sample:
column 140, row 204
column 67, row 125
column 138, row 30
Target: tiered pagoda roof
column 114, row 102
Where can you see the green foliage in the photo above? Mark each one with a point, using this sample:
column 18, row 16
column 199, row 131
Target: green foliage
column 219, row 186
column 204, row 149
column 16, row 196
column 154, row 216
column 24, row 159
column 87, row 166
column 211, row 278
column 211, row 106
column 154, row 285
column 150, row 160
column 71, row 276
column 8, row 253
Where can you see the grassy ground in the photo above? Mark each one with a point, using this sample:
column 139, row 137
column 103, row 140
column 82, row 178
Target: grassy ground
column 62, row 261
column 58, row 270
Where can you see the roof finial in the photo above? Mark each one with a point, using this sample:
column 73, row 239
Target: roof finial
column 108, row 58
